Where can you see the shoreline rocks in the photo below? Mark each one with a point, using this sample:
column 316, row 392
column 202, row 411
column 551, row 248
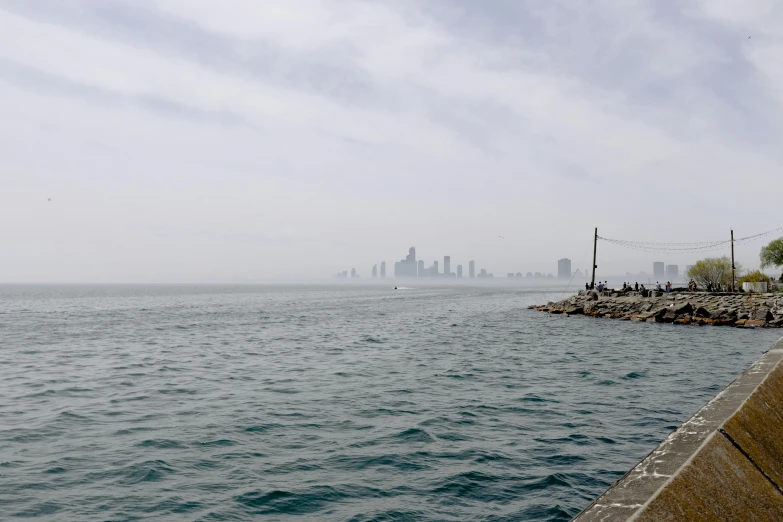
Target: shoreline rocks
column 696, row 308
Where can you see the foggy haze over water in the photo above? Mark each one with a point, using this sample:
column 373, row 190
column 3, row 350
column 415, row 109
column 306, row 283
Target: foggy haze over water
column 195, row 141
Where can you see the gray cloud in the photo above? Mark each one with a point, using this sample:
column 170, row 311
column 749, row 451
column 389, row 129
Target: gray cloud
column 34, row 80
column 313, row 136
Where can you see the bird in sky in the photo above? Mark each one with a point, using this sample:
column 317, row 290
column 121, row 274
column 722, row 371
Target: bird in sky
column 50, row 199
column 501, row 237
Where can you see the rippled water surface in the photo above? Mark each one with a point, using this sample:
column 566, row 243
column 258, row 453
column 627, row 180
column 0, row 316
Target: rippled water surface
column 333, row 403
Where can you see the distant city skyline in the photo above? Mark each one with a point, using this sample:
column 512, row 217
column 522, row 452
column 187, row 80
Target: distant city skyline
column 411, row 267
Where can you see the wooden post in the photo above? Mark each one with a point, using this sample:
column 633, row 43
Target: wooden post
column 595, row 248
column 733, row 274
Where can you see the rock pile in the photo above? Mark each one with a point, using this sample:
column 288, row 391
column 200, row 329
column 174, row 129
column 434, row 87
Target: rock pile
column 742, row 310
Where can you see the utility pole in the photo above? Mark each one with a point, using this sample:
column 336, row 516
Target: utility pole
column 733, row 274
column 595, row 248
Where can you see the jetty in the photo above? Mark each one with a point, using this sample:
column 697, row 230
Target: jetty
column 745, row 310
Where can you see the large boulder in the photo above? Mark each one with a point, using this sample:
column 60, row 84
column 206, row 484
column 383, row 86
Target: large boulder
column 683, row 309
column 762, row 314
column 752, row 323
column 701, row 312
column 669, row 316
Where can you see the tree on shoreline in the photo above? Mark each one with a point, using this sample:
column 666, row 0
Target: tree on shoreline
column 713, row 272
column 772, row 254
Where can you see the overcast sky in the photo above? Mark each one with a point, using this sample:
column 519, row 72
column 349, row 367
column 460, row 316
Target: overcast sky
column 204, row 140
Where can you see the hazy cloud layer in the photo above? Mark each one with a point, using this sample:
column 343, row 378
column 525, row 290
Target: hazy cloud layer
column 193, row 140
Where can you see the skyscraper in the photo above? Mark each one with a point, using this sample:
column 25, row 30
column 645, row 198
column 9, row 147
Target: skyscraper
column 374, row 271
column 447, row 266
column 383, row 269
column 672, row 272
column 406, row 267
column 564, row 268
column 658, row 270
column 459, row 271
column 435, row 269
column 472, row 270
column 353, row 272
column 422, row 273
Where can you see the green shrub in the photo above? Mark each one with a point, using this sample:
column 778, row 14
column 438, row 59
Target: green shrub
column 754, row 277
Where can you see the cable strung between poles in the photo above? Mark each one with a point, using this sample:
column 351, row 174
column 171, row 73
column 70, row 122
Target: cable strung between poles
column 694, row 246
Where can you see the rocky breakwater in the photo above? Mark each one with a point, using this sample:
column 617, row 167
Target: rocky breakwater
column 698, row 308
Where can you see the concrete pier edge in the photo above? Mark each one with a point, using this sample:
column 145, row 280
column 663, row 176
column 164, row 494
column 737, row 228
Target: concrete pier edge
column 724, row 463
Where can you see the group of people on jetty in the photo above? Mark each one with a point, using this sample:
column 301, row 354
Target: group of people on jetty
column 601, row 286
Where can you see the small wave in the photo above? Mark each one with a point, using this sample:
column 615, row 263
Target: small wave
column 217, row 443
column 69, row 416
column 545, row 512
column 470, row 484
column 261, row 428
column 414, row 435
column 531, row 397
column 635, row 375
column 392, row 515
column 549, row 481
column 283, row 502
column 39, row 510
column 561, row 460
column 160, row 443
column 150, row 471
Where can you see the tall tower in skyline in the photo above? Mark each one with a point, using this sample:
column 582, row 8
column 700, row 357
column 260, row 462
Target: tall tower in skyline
column 353, row 272
column 472, row 270
column 434, row 269
column 374, row 271
column 447, row 266
column 658, row 270
column 459, row 271
column 421, row 268
column 564, row 268
column 406, row 267
column 383, row 269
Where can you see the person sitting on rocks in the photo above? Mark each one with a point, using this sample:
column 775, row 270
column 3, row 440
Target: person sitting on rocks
column 658, row 286
column 624, row 285
column 587, row 286
column 636, row 286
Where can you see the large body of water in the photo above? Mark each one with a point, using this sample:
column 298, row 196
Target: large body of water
column 333, row 403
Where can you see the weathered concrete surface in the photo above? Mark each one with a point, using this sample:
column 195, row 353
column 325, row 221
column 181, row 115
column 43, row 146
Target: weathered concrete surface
column 724, row 463
column 718, row 484
column 698, row 308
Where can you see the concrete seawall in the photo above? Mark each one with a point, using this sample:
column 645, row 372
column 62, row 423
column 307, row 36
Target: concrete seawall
column 724, row 463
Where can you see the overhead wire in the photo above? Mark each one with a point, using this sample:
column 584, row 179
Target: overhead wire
column 683, row 247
